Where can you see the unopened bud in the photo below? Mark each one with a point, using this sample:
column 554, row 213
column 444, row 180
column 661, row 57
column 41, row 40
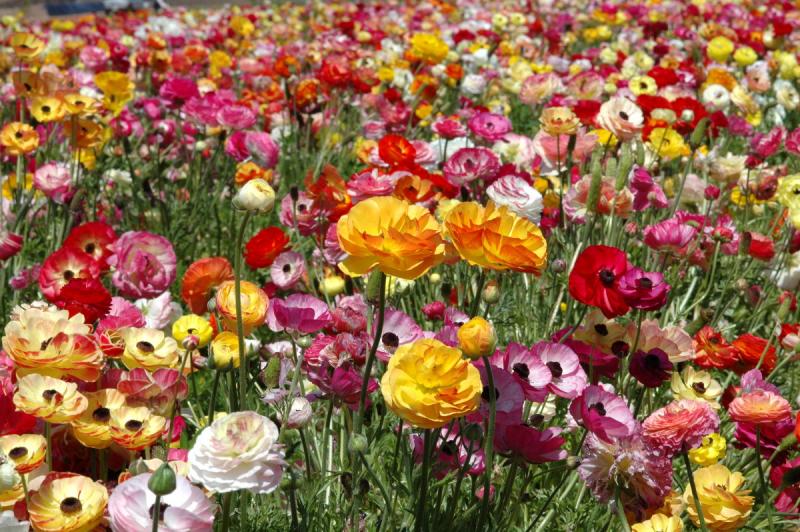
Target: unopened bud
column 190, row 343
column 9, row 478
column 294, row 193
column 594, row 187
column 697, row 138
column 783, row 310
column 491, row 292
column 558, row 266
column 640, row 155
column 271, row 374
column 162, row 482
column 573, row 462
column 477, row 338
column 741, row 285
column 358, row 443
column 304, row 342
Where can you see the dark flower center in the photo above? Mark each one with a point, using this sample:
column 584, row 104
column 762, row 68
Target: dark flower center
column 601, row 329
column 449, row 448
column 71, row 505
column 101, row 414
column 46, row 108
column 17, row 452
column 286, row 268
column 69, row 275
column 49, row 395
column 521, row 369
column 485, row 393
column 133, row 425
column 90, row 248
column 644, row 282
column 555, row 369
column 45, row 344
column 652, row 362
column 699, row 387
column 390, row 340
column 145, row 347
column 162, row 507
column 599, row 408
column 607, row 277
column 620, row 349
column 623, row 115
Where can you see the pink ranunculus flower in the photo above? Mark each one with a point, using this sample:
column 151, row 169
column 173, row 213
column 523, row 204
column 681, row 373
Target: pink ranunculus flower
column 54, row 181
column 262, row 148
column 679, row 426
column 186, row 508
column 555, row 150
column 179, row 90
column 603, row 413
column 398, row 329
column 369, row 183
column 298, row 313
column 236, row 117
column 766, row 144
column 10, row 244
column 519, row 196
column 669, row 235
column 532, row 445
column 792, row 143
column 144, row 264
column 644, row 290
column 288, row 268
column 646, row 192
column 160, row 311
column 489, row 126
column 527, row 368
column 449, row 128
column 303, row 213
column 567, row 376
column 157, row 390
column 468, row 164
column 236, row 147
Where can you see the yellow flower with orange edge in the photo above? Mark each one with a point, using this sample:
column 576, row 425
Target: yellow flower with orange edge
column 559, row 121
column 248, row 170
column 67, row 502
column 477, row 338
column 49, row 399
column 26, row 45
column 428, row 384
column 26, row 451
column 150, row 349
column 254, row 305
column 135, row 428
column 92, row 428
column 18, row 138
column 84, row 133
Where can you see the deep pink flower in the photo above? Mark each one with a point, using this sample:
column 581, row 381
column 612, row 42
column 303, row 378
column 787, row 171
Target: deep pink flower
column 680, row 425
column 567, row 376
column 669, row 235
column 448, row 128
column 643, row 290
column 179, row 90
column 646, row 192
column 25, row 277
column 236, row 147
column 236, row 117
column 792, row 143
column 489, row 126
column 10, row 244
column 144, row 264
column 603, row 413
column 350, row 314
column 298, row 313
column 451, row 452
column 468, row 164
column 766, row 144
column 434, row 310
column 371, row 182
column 509, row 396
column 262, row 148
column 527, row 368
column 790, row 491
column 532, row 445
column 303, row 214
column 771, row 436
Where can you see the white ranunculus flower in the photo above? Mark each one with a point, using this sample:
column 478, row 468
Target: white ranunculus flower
column 520, row 198
column 473, row 84
column 238, row 451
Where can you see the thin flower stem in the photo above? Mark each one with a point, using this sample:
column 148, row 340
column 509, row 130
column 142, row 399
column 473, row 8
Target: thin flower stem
column 695, row 496
column 239, row 325
column 489, row 444
column 623, row 520
column 761, row 479
column 362, row 400
column 156, row 513
column 476, row 301
column 212, row 403
column 419, row 519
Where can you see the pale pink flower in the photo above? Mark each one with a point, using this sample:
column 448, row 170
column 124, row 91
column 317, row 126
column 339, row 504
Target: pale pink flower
column 519, row 196
column 555, row 150
column 160, row 311
column 568, row 379
column 287, row 269
column 603, row 413
column 54, row 181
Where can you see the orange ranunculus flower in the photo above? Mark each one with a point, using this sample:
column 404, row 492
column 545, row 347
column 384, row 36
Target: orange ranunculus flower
column 92, row 428
column 249, row 170
column 67, row 502
column 495, row 238
column 759, row 407
column 201, row 277
column 47, row 108
column 135, row 428
column 52, row 400
column 751, row 349
column 307, row 94
column 392, row 235
column 50, row 342
column 329, row 192
column 27, row 83
column 287, row 65
column 413, row 189
column 27, row 451
column 86, row 134
column 26, row 45
column 254, row 305
column 18, row 138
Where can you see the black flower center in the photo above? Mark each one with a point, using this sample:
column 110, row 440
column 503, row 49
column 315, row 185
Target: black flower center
column 652, row 362
column 390, row 340
column 286, row 268
column 49, row 395
column 599, row 408
column 71, row 505
column 699, row 387
column 645, row 283
column 623, row 115
column 485, row 394
column 162, row 507
column 601, row 329
column 133, row 424
column 90, row 248
column 607, row 277
column 521, row 369
column 69, row 275
column 555, row 369
column 17, row 452
column 145, row 347
column 101, row 414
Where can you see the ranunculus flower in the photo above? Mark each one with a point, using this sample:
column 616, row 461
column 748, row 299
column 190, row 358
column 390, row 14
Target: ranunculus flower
column 643, row 290
column 723, row 501
column 298, row 313
column 55, row 181
column 520, row 197
column 262, row 148
column 680, row 426
column 392, row 235
column 238, row 451
column 84, row 296
column 495, row 238
column 62, row 266
column 489, row 126
column 201, row 277
column 595, row 278
column 262, row 249
column 94, row 239
column 428, row 384
column 622, row 117
column 603, row 413
column 184, row 509
column 469, row 164
column 49, row 399
column 10, row 244
column 532, row 445
column 759, row 407
column 254, row 303
column 288, row 268
column 66, row 501
column 144, row 264
column 669, row 235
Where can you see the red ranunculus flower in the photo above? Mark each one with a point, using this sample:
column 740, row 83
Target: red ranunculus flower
column 752, row 349
column 761, row 247
column 85, row 296
column 595, row 278
column 396, row 150
column 94, row 239
column 261, row 250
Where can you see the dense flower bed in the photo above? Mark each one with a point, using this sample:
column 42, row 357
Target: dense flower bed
column 390, row 266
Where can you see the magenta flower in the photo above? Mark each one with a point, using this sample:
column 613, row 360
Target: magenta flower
column 350, row 314
column 646, row 192
column 398, row 329
column 643, row 290
column 469, row 164
column 236, row 117
column 342, row 382
column 370, row 183
column 772, row 435
column 766, row 144
column 262, row 148
column 509, row 396
column 287, row 269
column 753, row 380
column 144, row 264
column 792, row 143
column 532, row 445
column 651, row 368
column 529, row 370
column 179, row 90
column 10, row 244
column 567, row 376
column 302, row 214
column 434, row 310
column 451, row 452
column 489, row 126
column 186, row 508
column 603, row 413
column 448, row 128
column 298, row 313
column 669, row 235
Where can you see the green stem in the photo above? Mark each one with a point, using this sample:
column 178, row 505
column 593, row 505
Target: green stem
column 761, row 479
column 156, row 513
column 695, row 496
column 623, row 520
column 419, row 519
column 226, row 512
column 239, row 325
column 213, row 401
column 476, row 301
column 362, row 400
column 489, row 444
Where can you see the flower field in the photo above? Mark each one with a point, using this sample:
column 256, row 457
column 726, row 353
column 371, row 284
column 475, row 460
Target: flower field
column 394, row 266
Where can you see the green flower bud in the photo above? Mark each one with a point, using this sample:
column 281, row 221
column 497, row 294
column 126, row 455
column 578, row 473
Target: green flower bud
column 358, row 443
column 698, row 135
column 162, row 482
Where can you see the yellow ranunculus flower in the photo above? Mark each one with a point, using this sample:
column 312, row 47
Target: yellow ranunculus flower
column 788, row 195
column 667, row 143
column 254, row 305
column 428, row 383
column 710, row 452
column 696, row 385
column 224, row 352
column 67, row 502
column 242, row 26
column 391, row 235
column 745, row 56
column 26, row 45
column 192, row 324
column 26, row 451
column 49, row 399
column 719, row 49
column 150, row 349
column 135, row 428
column 643, row 85
column 495, row 238
column 477, row 338
column 78, row 104
column 659, row 523
column 18, row 138
column 429, row 48
column 47, row 108
column 725, row 505
column 92, row 428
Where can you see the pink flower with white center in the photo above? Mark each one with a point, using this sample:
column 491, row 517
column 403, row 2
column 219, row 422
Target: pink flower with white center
column 519, row 196
column 567, row 376
column 287, row 269
column 298, row 314
column 238, row 451
column 603, row 413
column 468, row 164
column 527, row 368
column 187, row 508
column 54, row 181
column 144, row 264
